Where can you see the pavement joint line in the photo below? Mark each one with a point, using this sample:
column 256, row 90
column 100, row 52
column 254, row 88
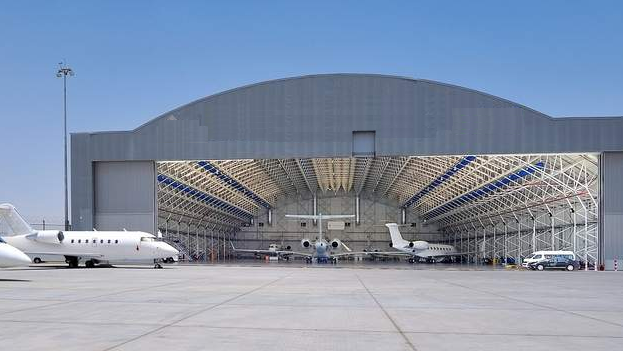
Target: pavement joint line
column 346, row 331
column 92, row 297
column 387, row 314
column 533, row 303
column 195, row 313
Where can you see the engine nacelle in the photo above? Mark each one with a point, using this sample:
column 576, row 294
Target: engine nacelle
column 48, row 236
column 305, row 243
column 419, row 245
column 335, row 243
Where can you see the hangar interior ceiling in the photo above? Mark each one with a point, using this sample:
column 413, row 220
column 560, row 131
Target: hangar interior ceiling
column 487, row 205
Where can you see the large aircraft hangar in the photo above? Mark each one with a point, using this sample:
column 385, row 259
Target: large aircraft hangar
column 454, row 165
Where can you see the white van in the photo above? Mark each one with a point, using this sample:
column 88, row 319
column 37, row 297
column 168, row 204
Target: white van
column 37, row 258
column 542, row 255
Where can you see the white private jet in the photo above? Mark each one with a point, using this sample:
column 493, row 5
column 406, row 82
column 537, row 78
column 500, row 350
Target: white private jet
column 12, row 257
column 320, row 247
column 93, row 247
column 274, row 250
column 419, row 249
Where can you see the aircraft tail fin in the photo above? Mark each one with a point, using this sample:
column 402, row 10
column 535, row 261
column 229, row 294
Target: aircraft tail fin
column 11, row 223
column 397, row 240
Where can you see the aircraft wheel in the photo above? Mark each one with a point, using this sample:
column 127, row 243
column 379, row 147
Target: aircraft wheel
column 89, row 264
column 37, row 260
column 72, row 262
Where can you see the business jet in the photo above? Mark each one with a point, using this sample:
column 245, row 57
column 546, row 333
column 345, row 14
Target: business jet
column 420, row 249
column 93, row 248
column 274, row 250
column 320, row 248
column 12, row 257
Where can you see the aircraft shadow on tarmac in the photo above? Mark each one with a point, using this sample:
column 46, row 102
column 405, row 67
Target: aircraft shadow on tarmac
column 49, row 267
column 15, row 280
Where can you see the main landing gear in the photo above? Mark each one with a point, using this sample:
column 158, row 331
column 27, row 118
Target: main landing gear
column 72, row 261
column 157, row 265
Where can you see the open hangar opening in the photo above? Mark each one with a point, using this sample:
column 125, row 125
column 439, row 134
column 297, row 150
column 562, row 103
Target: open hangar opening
column 487, row 175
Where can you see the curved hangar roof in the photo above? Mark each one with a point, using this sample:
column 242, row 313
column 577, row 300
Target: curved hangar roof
column 315, row 116
column 295, row 136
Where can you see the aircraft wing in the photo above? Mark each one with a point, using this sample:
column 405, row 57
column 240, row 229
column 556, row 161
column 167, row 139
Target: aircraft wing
column 294, row 253
column 337, row 216
column 259, row 251
column 368, row 253
column 318, row 216
column 268, row 252
column 454, row 254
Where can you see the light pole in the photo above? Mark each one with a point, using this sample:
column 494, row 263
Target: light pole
column 64, row 71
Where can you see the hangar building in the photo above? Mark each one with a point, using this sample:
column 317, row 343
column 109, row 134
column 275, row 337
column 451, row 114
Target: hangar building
column 490, row 176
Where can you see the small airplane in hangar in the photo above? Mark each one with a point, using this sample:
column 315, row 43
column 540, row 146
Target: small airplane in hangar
column 320, row 248
column 414, row 250
column 94, row 247
column 280, row 252
column 419, row 249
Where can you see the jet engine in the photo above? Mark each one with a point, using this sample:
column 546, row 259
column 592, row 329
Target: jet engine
column 305, row 243
column 48, row 236
column 419, row 245
column 335, row 243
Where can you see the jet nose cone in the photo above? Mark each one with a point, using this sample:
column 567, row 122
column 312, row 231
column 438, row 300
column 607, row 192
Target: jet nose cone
column 170, row 249
column 12, row 257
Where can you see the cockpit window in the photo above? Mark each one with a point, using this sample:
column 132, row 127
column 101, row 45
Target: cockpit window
column 147, row 238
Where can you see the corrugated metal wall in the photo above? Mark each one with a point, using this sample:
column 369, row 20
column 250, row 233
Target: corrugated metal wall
column 612, row 208
column 315, row 116
column 124, row 196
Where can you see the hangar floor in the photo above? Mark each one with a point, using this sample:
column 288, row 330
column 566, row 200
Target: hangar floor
column 283, row 307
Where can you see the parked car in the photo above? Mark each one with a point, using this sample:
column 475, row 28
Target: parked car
column 555, row 262
column 37, row 258
column 543, row 255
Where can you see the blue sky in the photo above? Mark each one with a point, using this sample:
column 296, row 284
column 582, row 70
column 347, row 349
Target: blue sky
column 135, row 60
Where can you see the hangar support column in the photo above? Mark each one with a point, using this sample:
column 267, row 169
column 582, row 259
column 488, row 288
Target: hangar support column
column 611, row 208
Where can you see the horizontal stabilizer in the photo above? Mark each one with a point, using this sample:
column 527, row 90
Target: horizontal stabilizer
column 320, row 216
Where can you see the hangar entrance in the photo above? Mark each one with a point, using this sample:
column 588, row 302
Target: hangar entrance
column 489, row 206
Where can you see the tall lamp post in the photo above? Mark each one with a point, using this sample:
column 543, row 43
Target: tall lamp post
column 64, row 71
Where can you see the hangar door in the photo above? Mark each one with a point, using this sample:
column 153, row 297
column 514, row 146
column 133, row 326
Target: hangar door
column 124, row 195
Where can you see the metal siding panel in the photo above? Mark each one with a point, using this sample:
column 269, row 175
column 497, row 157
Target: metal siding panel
column 124, row 196
column 612, row 203
column 314, row 116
